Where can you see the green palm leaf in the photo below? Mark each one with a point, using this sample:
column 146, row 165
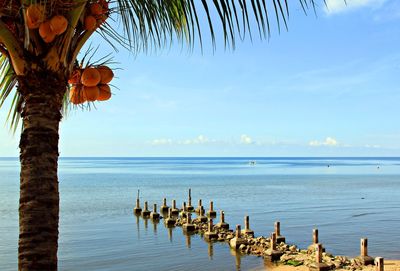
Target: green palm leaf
column 8, row 81
column 148, row 24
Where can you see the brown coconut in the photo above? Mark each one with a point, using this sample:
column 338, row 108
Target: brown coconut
column 90, row 23
column 46, row 33
column 96, row 9
column 35, row 16
column 91, row 93
column 104, row 93
column 106, row 74
column 75, row 77
column 90, row 77
column 58, row 24
column 76, row 95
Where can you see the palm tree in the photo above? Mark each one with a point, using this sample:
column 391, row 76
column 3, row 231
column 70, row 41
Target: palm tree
column 35, row 65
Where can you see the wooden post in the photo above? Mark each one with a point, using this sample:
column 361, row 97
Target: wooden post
column 222, row 217
column 277, row 228
column 273, row 241
column 238, row 231
column 315, row 236
column 155, row 208
column 364, row 247
column 210, row 225
column 246, row 222
column 379, row 264
column 318, row 253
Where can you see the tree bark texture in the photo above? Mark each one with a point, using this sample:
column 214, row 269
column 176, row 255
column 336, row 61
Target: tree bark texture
column 42, row 94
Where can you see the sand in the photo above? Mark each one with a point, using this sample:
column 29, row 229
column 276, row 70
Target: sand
column 390, row 265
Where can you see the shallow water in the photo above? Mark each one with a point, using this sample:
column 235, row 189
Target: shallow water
column 350, row 199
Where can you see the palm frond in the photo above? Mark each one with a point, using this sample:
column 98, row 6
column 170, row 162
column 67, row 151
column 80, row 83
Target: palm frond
column 153, row 23
column 8, row 81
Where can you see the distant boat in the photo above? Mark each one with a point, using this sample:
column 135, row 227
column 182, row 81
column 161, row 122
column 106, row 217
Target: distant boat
column 252, row 163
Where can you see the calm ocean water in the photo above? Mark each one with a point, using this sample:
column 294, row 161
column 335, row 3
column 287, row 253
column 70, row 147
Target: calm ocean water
column 350, row 199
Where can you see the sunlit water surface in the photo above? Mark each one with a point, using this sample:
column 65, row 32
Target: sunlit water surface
column 350, row 199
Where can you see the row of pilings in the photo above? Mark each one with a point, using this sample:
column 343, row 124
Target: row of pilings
column 273, row 248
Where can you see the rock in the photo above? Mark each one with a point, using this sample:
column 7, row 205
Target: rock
column 293, row 248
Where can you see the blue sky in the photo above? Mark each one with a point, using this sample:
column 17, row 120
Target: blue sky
column 328, row 87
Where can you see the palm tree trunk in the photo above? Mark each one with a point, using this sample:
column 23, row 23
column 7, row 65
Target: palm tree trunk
column 42, row 94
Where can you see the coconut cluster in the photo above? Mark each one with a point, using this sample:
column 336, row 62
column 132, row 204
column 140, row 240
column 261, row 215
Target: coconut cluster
column 48, row 29
column 96, row 14
column 90, row 84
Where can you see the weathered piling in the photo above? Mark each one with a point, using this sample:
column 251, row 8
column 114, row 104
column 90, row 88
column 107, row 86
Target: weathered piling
column 154, row 215
column 170, row 221
column 211, row 212
column 174, row 210
column 238, row 240
column 247, row 231
column 188, row 226
column 222, row 224
column 379, row 264
column 319, row 265
column 364, row 257
column 146, row 212
column 184, row 212
column 273, row 254
column 202, row 217
column 164, row 207
column 315, row 236
column 279, row 237
column 190, row 208
column 199, row 207
column 315, row 240
column 210, row 235
column 137, row 210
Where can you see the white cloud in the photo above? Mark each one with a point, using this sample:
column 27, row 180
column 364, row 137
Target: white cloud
column 161, row 141
column 372, row 146
column 339, row 6
column 201, row 139
column 245, row 139
column 329, row 141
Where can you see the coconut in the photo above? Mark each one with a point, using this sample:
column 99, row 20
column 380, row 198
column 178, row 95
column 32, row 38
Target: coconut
column 90, row 77
column 106, row 74
column 34, row 16
column 76, row 95
column 58, row 24
column 75, row 77
column 91, row 93
column 46, row 33
column 105, row 93
column 90, row 23
column 96, row 9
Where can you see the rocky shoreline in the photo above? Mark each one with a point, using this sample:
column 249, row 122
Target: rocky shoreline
column 273, row 248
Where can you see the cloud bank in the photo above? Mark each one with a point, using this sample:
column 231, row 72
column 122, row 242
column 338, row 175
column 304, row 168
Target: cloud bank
column 340, row 6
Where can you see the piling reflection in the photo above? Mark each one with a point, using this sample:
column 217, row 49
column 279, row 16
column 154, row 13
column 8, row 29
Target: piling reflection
column 238, row 259
column 188, row 240
column 201, row 227
column 155, row 224
column 210, row 250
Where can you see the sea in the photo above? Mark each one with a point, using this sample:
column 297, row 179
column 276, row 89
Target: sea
column 345, row 198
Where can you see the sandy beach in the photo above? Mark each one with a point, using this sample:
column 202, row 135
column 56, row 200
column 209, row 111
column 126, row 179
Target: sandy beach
column 390, row 265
